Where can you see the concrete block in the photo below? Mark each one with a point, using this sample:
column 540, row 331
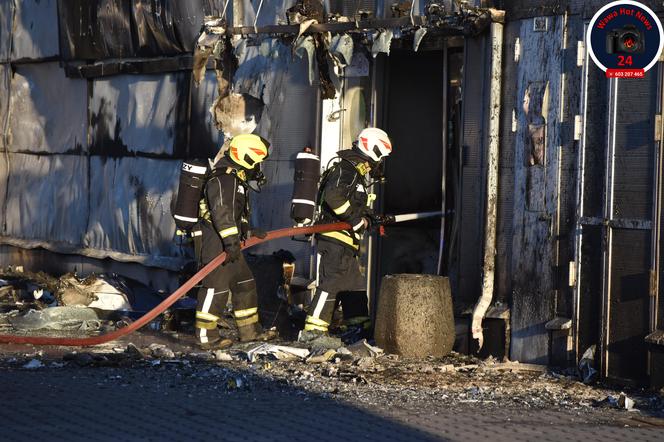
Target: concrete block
column 415, row 316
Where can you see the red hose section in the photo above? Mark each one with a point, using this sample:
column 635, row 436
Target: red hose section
column 149, row 316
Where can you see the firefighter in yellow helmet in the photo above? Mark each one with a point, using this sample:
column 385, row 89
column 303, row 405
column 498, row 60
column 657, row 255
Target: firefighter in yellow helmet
column 224, row 223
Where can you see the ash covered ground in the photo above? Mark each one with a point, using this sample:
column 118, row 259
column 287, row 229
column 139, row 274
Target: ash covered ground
column 357, row 376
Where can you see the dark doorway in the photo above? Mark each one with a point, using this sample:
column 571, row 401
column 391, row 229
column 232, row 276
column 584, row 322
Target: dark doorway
column 413, row 117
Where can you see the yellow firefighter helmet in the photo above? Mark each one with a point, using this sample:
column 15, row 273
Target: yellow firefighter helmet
column 247, row 150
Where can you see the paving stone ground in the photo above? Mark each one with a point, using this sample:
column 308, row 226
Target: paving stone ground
column 161, row 403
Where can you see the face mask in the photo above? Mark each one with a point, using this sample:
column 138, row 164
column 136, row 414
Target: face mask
column 378, row 171
column 256, row 179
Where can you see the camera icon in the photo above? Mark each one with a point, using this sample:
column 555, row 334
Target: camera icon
column 625, row 40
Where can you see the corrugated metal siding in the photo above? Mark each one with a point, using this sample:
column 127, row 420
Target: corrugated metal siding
column 470, row 211
column 505, row 226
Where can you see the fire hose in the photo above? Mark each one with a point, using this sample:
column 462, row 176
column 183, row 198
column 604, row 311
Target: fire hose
column 184, row 289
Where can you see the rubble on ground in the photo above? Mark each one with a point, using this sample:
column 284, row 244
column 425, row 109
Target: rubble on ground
column 72, row 305
column 360, row 373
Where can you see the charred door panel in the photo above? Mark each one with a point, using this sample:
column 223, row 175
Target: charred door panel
column 536, row 183
column 617, row 181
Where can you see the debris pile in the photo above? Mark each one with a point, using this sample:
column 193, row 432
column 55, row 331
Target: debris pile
column 32, row 302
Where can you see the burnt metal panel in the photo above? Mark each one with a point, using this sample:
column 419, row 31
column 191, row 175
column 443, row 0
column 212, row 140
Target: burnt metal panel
column 205, row 139
column 505, row 229
column 47, row 198
column 130, row 200
column 589, row 318
column 469, row 210
column 289, row 123
column 101, row 29
column 48, row 110
column 35, row 31
column 147, row 114
column 566, row 223
column 95, row 29
column 629, row 302
column 166, row 27
column 536, row 192
column 7, row 18
column 595, row 140
column 520, row 9
column 634, row 154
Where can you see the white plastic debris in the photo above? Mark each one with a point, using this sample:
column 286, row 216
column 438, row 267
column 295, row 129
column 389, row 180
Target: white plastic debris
column 625, row 402
column 279, row 352
column 221, row 355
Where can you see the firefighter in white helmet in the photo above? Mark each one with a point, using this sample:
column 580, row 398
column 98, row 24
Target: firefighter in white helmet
column 224, row 215
column 344, row 196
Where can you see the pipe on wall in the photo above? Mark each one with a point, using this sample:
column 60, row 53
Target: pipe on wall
column 489, row 264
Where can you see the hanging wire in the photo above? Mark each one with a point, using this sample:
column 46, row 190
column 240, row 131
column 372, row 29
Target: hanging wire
column 258, row 11
column 223, row 13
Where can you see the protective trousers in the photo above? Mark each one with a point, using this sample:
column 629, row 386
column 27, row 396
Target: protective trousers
column 233, row 279
column 339, row 270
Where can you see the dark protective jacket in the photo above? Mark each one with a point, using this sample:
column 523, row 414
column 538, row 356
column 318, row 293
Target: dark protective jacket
column 225, row 202
column 344, row 197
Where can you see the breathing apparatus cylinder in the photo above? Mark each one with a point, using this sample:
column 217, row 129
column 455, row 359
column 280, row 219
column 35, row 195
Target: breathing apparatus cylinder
column 192, row 180
column 305, row 187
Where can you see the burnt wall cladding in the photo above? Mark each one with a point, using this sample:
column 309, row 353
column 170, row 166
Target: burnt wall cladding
column 102, row 29
column 518, row 9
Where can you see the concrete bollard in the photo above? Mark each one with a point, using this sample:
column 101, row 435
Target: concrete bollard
column 415, row 316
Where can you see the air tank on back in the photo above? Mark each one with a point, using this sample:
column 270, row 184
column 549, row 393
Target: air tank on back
column 192, row 180
column 305, row 187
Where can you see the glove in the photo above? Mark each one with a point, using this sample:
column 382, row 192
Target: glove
column 382, row 220
column 233, row 251
column 258, row 233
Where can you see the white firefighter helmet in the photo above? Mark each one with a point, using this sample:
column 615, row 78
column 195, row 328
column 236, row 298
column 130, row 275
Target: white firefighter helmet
column 374, row 144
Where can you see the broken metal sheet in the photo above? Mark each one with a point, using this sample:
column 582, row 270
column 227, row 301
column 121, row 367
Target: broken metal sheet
column 280, row 352
column 95, row 29
column 48, row 110
column 382, row 42
column 130, row 209
column 140, row 113
column 166, row 27
column 358, row 67
column 260, row 67
column 47, row 199
column 417, row 39
column 341, row 47
column 35, row 31
column 57, row 318
column 306, row 47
